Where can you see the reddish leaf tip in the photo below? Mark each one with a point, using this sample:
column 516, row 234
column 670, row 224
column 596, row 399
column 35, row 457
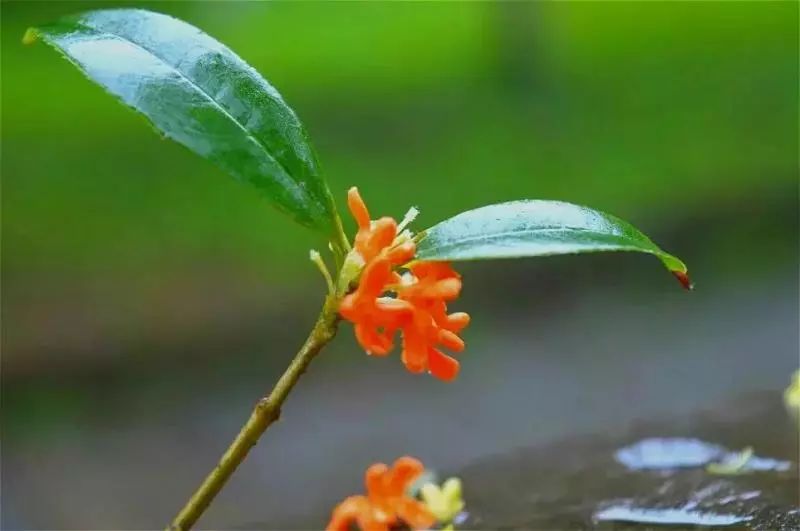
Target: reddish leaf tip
column 684, row 279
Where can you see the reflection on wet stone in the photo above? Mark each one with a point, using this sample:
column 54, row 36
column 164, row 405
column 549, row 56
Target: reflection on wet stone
column 655, row 476
column 622, row 513
column 664, row 453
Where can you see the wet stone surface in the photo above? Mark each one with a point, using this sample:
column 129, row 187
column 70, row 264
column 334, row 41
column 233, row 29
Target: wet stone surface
column 651, row 477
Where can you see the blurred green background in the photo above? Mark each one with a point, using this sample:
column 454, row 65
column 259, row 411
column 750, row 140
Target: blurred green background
column 149, row 300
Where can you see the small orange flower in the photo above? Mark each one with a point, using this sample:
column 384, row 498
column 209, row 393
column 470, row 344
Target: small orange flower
column 419, row 307
column 387, row 502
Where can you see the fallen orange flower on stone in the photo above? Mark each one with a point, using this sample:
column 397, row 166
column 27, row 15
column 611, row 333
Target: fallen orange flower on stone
column 386, row 503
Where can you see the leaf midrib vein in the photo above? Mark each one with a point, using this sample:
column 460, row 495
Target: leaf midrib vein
column 248, row 134
column 492, row 236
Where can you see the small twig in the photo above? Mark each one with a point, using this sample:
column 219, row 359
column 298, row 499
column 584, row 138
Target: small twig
column 315, row 257
column 267, row 411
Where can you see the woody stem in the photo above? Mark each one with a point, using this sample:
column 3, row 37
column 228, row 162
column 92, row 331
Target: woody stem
column 266, row 411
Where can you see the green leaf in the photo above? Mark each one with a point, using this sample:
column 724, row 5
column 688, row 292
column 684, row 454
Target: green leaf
column 199, row 93
column 536, row 228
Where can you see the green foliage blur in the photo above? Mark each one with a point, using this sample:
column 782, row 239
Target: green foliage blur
column 442, row 106
column 656, row 112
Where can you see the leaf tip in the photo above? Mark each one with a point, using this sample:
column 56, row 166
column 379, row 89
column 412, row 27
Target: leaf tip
column 30, row 37
column 683, row 278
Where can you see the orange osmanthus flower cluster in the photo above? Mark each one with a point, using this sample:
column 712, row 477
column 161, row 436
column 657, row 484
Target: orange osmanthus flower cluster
column 386, row 503
column 419, row 306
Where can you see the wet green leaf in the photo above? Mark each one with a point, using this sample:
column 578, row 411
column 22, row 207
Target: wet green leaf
column 199, row 93
column 536, row 228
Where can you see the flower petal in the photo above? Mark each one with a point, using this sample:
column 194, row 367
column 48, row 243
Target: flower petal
column 402, row 253
column 434, row 270
column 380, row 236
column 442, row 366
column 371, row 341
column 415, row 514
column 347, row 513
column 457, row 321
column 414, row 354
column 404, row 472
column 375, row 480
column 374, row 278
column 358, row 208
column 450, row 341
column 452, row 489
